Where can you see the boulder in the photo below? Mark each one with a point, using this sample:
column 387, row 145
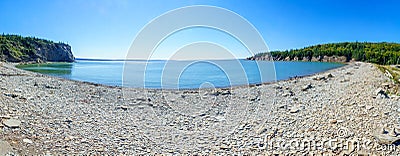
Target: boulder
column 12, row 123
column 386, row 139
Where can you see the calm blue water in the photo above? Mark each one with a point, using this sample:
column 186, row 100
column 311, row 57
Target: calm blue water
column 180, row 74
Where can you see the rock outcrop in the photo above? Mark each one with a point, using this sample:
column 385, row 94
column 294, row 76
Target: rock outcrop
column 305, row 59
column 15, row 48
column 57, row 52
column 382, row 53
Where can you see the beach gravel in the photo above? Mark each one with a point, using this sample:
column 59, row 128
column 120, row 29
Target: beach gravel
column 348, row 105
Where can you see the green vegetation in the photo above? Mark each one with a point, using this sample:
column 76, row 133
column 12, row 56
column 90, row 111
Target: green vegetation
column 380, row 53
column 15, row 48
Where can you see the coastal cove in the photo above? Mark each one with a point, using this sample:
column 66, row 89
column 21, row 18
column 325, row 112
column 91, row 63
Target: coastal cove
column 199, row 78
column 94, row 119
column 111, row 72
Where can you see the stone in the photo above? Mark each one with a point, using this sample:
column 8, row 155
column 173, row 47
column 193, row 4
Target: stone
column 392, row 132
column 123, row 108
column 381, row 92
column 68, row 120
column 305, row 88
column 12, row 123
column 261, row 130
column 369, row 107
column 386, row 139
column 224, row 147
column 294, row 110
column 381, row 130
column 290, row 93
column 227, row 92
column 101, row 149
column 329, row 75
column 68, row 138
column 5, row 116
column 141, row 99
column 18, row 90
column 333, row 121
column 319, row 78
column 397, row 130
column 344, row 80
column 386, row 85
column 11, row 95
column 28, row 141
column 282, row 106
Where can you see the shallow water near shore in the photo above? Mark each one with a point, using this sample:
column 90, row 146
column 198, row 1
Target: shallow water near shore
column 198, row 75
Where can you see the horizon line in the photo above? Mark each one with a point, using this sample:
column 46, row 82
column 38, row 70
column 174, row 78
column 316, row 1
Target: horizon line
column 157, row 59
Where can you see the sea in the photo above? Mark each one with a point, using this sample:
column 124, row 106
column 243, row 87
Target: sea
column 179, row 74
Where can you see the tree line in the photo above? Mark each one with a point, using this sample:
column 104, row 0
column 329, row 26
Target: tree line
column 383, row 53
column 16, row 48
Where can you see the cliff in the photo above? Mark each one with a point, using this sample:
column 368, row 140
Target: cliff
column 380, row 53
column 14, row 48
column 306, row 59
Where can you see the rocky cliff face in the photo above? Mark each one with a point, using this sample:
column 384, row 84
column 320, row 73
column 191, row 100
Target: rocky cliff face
column 14, row 48
column 58, row 52
column 306, row 59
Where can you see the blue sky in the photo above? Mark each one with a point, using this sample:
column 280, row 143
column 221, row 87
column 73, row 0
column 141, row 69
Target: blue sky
column 106, row 29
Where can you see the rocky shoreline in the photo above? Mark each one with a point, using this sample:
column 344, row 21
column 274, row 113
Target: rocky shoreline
column 339, row 112
column 269, row 57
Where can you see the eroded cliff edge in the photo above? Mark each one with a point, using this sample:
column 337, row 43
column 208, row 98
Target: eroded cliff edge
column 383, row 53
column 15, row 48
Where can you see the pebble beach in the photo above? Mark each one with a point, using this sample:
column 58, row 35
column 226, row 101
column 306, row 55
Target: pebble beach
column 342, row 111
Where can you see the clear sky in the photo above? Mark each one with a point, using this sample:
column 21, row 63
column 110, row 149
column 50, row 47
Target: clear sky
column 106, row 28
